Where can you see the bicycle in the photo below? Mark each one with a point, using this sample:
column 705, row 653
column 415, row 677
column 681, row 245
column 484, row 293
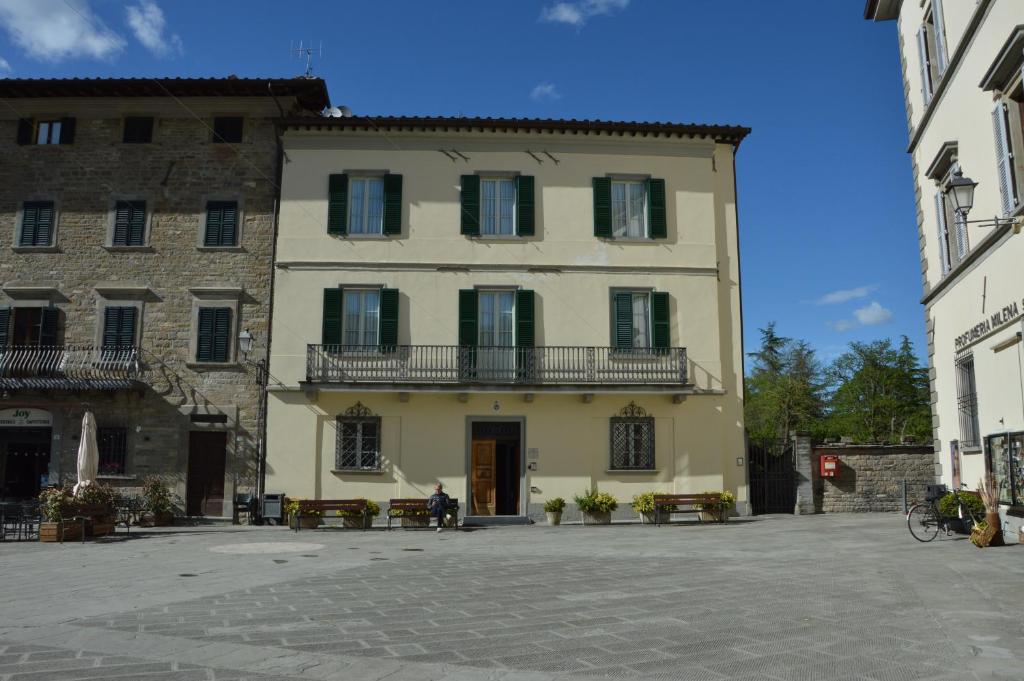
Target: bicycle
column 924, row 519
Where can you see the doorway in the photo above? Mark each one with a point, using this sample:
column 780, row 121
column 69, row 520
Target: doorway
column 25, row 460
column 496, row 468
column 204, row 486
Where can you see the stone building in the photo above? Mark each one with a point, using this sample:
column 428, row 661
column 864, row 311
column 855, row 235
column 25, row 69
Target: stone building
column 962, row 73
column 520, row 309
column 137, row 226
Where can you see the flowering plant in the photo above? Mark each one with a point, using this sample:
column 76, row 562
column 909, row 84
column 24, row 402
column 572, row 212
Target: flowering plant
column 56, row 503
column 593, row 501
column 372, row 507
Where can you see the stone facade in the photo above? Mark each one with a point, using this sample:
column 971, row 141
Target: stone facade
column 871, row 477
column 167, row 280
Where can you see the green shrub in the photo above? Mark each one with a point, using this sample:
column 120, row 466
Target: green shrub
column 556, row 505
column 727, row 502
column 409, row 513
column 372, row 506
column 291, row 508
column 157, row 495
column 97, row 494
column 593, row 501
column 56, row 503
column 643, row 503
column 972, row 503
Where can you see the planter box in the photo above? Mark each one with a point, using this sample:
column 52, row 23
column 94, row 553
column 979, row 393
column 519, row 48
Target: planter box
column 597, row 518
column 149, row 519
column 307, row 522
column 360, row 523
column 647, row 517
column 50, row 532
column 415, row 521
column 554, row 517
column 99, row 529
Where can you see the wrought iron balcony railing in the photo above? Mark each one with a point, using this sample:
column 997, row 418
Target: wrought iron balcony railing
column 455, row 365
column 68, row 366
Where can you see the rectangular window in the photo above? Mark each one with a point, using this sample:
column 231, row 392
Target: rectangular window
column 632, row 443
column 37, row 218
column 967, row 401
column 496, row 356
column 228, row 129
column 48, row 132
column 119, row 328
column 35, row 326
column 112, row 444
column 221, row 224
column 361, row 319
column 129, row 223
column 358, row 444
column 497, row 206
column 629, row 209
column 214, row 339
column 366, row 205
column 138, row 130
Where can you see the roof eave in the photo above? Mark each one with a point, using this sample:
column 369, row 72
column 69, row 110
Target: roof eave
column 882, row 10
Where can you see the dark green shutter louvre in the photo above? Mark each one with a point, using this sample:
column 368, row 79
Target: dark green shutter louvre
column 392, row 204
column 524, row 205
column 221, row 334
column 470, row 205
column 660, row 321
column 29, row 224
column 214, row 222
column 388, row 319
column 48, row 326
column 525, row 327
column 122, row 217
column 25, row 128
column 137, row 223
column 5, row 326
column 468, row 317
column 111, row 327
column 229, row 224
column 204, row 340
column 656, row 213
column 127, row 330
column 603, row 207
column 67, row 130
column 623, row 320
column 332, row 317
column 337, row 204
column 44, row 223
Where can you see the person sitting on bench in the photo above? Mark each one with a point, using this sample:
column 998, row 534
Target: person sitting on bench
column 438, row 504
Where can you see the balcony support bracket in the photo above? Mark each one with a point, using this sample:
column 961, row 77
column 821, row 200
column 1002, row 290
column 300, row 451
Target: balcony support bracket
column 678, row 398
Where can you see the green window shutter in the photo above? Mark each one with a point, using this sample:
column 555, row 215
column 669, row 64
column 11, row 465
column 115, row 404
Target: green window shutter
column 204, row 339
column 221, row 334
column 524, row 205
column 229, row 224
column 470, row 205
column 656, row 214
column 468, row 302
column 332, row 317
column 29, row 224
column 25, row 128
column 603, row 207
column 118, row 328
column 137, row 223
column 623, row 319
column 388, row 319
column 213, row 225
column 525, row 326
column 44, row 223
column 67, row 131
column 5, row 326
column 393, row 204
column 122, row 217
column 48, row 326
column 660, row 321
column 337, row 204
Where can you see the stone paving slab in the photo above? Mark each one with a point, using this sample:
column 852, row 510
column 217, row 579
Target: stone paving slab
column 835, row 598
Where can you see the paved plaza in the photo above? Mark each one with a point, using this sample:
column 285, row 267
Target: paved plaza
column 775, row 598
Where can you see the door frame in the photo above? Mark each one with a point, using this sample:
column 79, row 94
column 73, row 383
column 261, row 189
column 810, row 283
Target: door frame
column 521, row 420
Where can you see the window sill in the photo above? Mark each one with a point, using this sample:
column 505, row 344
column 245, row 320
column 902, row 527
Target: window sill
column 221, row 249
column 499, row 238
column 357, row 471
column 35, row 249
column 368, row 237
column 633, row 471
column 634, row 239
column 971, row 450
column 645, row 354
column 213, row 365
column 129, row 249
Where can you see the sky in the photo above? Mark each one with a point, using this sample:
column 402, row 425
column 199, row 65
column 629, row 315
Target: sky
column 827, row 220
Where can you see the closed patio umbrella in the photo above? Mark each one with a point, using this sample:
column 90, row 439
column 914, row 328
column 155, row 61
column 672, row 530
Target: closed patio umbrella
column 88, row 453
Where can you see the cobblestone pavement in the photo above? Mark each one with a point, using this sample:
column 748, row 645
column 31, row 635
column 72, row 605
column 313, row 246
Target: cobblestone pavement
column 780, row 598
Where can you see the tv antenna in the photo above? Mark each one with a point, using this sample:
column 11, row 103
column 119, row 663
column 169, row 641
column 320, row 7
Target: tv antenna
column 308, row 51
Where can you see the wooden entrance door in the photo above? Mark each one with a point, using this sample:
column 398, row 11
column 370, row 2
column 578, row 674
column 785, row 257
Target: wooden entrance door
column 204, row 487
column 482, row 476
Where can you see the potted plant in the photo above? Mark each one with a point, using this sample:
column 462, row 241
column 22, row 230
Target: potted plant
column 596, row 507
column 97, row 502
column 55, row 504
column 310, row 519
column 158, row 500
column 718, row 513
column 553, row 510
column 950, row 510
column 990, row 531
column 644, row 505
column 359, row 521
column 412, row 517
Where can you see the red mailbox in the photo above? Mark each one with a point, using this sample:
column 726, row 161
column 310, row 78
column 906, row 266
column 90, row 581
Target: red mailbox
column 829, row 466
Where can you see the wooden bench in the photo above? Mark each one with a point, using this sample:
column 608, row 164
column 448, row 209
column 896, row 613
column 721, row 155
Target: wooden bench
column 691, row 503
column 324, row 505
column 419, row 507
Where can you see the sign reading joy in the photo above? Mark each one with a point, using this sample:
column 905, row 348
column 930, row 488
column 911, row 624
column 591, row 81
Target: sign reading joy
column 25, row 418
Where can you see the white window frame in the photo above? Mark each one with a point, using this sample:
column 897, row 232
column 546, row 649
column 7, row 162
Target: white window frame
column 364, row 228
column 496, row 292
column 645, row 296
column 361, row 331
column 495, row 225
column 645, row 227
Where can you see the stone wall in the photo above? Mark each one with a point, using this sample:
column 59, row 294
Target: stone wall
column 871, row 476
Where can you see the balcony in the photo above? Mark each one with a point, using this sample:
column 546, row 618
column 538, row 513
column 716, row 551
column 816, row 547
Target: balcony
column 425, row 366
column 68, row 367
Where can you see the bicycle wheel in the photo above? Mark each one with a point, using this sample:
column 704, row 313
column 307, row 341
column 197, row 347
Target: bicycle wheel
column 923, row 522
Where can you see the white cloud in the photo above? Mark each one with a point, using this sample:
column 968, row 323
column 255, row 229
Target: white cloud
column 545, row 91
column 147, row 23
column 873, row 314
column 577, row 12
column 5, row 66
column 843, row 295
column 52, row 30
column 843, row 325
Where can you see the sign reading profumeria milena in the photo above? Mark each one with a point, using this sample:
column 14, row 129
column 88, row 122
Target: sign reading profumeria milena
column 987, row 326
column 23, row 417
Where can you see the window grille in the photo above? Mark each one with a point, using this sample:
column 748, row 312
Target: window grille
column 967, row 401
column 112, row 444
column 632, row 439
column 358, row 440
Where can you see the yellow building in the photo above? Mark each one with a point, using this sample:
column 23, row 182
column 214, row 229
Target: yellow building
column 519, row 309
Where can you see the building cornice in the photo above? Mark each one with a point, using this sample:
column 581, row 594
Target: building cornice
column 1007, row 63
column 311, row 265
column 882, row 10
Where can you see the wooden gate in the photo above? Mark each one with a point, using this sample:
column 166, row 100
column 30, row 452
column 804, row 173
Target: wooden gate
column 772, row 469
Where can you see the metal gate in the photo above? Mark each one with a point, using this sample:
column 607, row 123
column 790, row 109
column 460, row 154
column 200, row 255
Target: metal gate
column 772, row 469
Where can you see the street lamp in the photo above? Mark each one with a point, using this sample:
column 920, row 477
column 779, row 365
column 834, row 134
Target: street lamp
column 961, row 190
column 245, row 342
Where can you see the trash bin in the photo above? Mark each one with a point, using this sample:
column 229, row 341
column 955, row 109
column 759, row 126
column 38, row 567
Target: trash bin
column 273, row 508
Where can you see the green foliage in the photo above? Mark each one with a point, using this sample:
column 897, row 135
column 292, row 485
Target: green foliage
column 372, row 506
column 643, row 503
column 556, row 505
column 97, row 494
column 291, row 508
column 157, row 495
column 972, row 502
column 592, row 501
column 728, row 500
column 410, row 513
column 56, row 503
